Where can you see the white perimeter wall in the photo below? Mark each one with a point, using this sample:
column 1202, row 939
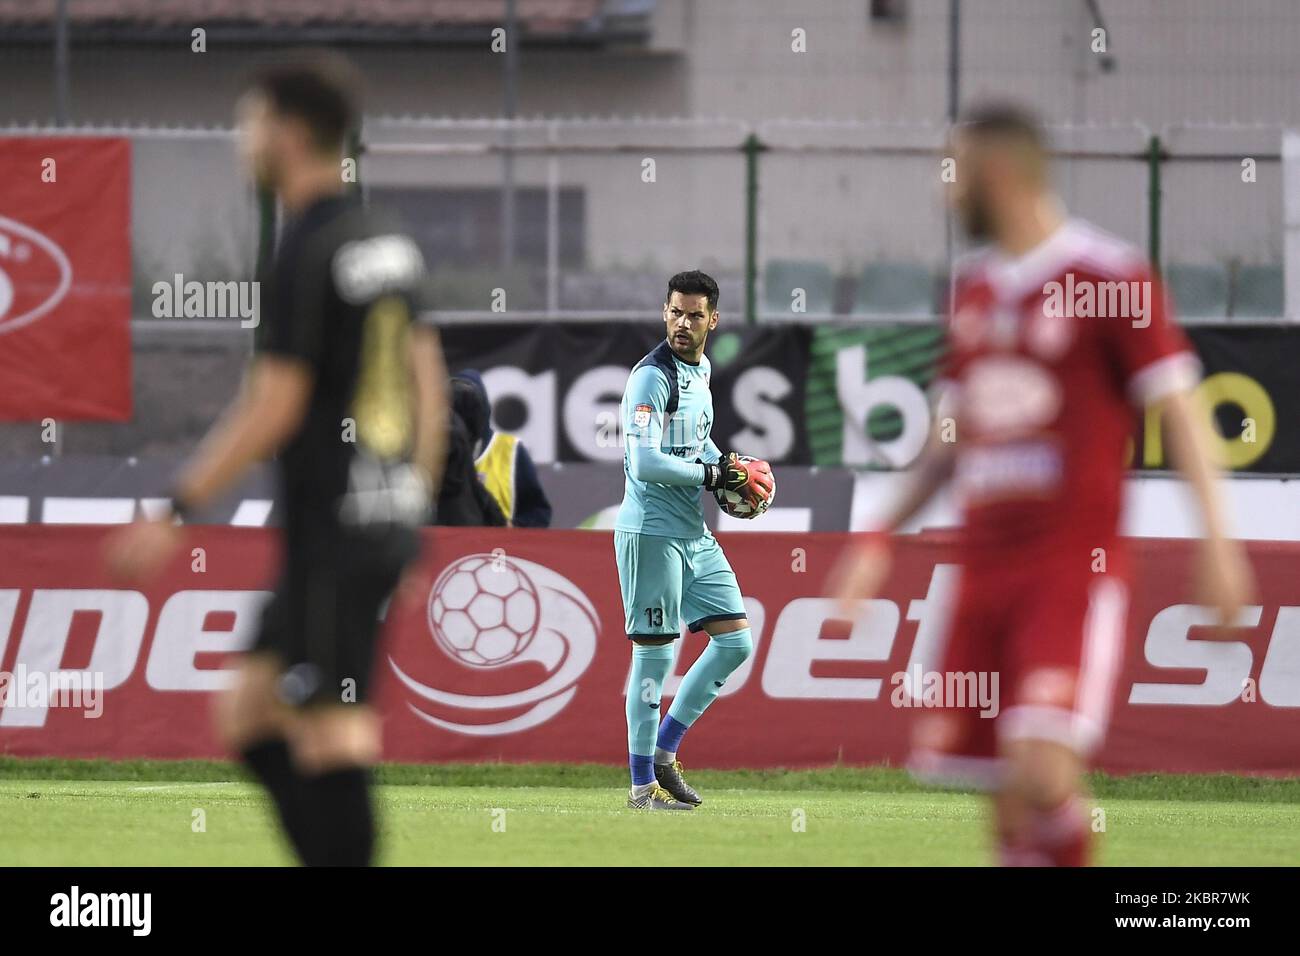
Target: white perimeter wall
column 1265, row 509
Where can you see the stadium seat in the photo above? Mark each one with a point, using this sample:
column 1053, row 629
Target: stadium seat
column 782, row 276
column 1257, row 292
column 894, row 288
column 1198, row 291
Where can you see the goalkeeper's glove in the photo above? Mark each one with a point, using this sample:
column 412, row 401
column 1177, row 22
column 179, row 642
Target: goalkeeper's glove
column 751, row 480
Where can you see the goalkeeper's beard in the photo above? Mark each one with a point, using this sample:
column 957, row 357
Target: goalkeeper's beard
column 683, row 343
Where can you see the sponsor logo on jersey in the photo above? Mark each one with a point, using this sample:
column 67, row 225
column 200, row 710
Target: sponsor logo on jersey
column 1009, row 469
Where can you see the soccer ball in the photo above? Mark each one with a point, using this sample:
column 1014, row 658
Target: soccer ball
column 736, row 506
column 483, row 610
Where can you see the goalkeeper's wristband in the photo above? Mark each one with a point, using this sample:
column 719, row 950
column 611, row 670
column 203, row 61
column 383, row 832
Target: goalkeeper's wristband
column 713, row 475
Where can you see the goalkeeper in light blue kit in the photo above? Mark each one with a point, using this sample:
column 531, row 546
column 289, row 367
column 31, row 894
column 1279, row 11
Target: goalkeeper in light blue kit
column 669, row 565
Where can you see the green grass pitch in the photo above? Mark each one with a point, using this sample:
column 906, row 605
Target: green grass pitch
column 56, row 812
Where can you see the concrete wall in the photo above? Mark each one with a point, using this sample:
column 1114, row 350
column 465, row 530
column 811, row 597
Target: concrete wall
column 1201, row 61
column 1196, row 60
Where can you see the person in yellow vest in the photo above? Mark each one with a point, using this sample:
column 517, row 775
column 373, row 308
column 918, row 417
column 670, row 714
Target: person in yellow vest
column 502, row 461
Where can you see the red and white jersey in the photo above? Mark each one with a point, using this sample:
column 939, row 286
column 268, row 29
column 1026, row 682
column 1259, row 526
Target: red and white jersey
column 1050, row 355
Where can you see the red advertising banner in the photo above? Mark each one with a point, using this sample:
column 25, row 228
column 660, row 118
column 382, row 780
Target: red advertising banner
column 511, row 648
column 65, row 279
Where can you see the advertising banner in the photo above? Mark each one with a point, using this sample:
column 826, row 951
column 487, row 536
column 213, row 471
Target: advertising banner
column 833, row 395
column 509, row 645
column 65, row 279
column 1249, row 385
column 558, row 385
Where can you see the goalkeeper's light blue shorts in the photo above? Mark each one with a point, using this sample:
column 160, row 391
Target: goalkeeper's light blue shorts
column 668, row 580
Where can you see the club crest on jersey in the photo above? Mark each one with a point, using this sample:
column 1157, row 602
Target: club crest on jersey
column 641, row 415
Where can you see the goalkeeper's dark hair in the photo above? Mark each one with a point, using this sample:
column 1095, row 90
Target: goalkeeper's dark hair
column 694, row 282
column 323, row 90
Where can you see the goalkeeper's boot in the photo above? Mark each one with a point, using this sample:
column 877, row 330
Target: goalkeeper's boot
column 656, row 798
column 669, row 776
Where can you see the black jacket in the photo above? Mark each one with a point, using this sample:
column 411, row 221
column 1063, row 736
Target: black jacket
column 462, row 500
column 470, row 399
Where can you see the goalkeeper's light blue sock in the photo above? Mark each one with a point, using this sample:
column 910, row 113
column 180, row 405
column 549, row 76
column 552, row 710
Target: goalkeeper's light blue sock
column 701, row 686
column 650, row 664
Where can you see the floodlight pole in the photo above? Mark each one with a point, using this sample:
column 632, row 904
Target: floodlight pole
column 954, row 58
column 61, row 85
column 752, row 147
column 954, row 106
column 1155, row 153
column 508, row 156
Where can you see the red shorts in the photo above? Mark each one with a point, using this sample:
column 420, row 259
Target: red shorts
column 1047, row 648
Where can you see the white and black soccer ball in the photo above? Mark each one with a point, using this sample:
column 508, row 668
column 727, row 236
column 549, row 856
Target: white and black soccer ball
column 736, row 506
column 484, row 610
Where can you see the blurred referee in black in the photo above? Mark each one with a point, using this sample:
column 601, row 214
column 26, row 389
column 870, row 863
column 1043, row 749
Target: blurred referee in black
column 351, row 392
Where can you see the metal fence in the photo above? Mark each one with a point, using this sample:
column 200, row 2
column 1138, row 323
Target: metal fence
column 585, row 219
column 798, row 220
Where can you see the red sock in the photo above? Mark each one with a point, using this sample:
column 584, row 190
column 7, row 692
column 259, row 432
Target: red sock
column 1015, row 850
column 1062, row 835
column 1019, row 854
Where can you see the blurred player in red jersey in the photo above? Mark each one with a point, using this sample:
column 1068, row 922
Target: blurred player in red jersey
column 1059, row 336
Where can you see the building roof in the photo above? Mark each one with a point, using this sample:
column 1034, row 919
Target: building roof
column 339, row 20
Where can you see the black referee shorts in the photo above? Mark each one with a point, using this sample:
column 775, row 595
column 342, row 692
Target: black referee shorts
column 322, row 621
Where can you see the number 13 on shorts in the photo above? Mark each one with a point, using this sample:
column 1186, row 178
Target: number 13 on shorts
column 665, row 581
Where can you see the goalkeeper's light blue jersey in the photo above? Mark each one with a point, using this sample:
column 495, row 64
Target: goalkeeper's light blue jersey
column 667, row 414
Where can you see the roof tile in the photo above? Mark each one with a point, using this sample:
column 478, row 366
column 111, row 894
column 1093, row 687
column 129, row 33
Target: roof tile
column 537, row 15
